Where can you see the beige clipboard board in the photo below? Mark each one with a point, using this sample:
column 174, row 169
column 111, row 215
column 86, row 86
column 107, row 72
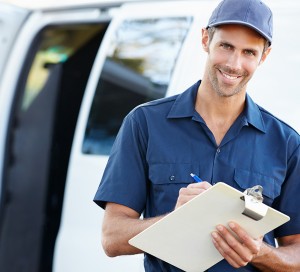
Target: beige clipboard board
column 183, row 237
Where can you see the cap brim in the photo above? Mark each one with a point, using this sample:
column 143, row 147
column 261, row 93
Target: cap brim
column 242, row 23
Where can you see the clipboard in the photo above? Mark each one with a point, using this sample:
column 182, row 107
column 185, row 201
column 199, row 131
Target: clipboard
column 183, row 237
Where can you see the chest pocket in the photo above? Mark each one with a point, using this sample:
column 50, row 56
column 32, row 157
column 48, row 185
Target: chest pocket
column 165, row 182
column 246, row 179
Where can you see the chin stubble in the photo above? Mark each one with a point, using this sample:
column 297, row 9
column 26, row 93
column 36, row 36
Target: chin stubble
column 215, row 84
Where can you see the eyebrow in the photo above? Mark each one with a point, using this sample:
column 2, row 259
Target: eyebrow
column 255, row 51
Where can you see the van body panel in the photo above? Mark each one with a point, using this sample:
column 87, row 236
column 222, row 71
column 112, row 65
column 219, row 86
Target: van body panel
column 11, row 20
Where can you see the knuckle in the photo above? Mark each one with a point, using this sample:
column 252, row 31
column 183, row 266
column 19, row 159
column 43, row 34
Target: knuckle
column 226, row 251
column 206, row 185
column 257, row 249
column 232, row 243
column 182, row 191
column 244, row 238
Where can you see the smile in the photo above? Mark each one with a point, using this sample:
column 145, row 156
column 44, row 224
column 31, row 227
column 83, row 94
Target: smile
column 229, row 76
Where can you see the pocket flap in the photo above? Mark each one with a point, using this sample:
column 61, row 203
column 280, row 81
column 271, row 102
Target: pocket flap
column 166, row 173
column 246, row 179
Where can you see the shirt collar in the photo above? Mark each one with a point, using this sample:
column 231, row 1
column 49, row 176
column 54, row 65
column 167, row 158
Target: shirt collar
column 253, row 114
column 184, row 106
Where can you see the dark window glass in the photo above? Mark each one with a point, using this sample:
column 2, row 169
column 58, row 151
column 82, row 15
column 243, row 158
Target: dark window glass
column 58, row 45
column 137, row 69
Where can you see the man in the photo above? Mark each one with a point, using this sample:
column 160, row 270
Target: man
column 215, row 130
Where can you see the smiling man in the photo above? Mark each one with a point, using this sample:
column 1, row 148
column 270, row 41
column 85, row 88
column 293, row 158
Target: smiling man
column 240, row 144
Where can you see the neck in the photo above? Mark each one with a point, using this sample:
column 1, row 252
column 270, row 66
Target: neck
column 210, row 104
column 218, row 112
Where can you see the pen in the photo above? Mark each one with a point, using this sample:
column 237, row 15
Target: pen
column 195, row 177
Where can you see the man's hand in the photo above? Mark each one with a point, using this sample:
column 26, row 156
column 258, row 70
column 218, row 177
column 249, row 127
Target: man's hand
column 189, row 192
column 238, row 249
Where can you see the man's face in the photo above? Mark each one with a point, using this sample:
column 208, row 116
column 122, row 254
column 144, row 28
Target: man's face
column 234, row 54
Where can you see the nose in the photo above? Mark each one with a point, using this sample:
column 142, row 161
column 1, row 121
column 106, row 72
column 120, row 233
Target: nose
column 235, row 60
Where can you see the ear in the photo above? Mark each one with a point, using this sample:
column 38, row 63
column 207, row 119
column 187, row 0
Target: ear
column 205, row 39
column 264, row 55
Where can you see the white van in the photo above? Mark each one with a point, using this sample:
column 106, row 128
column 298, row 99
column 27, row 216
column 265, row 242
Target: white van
column 69, row 73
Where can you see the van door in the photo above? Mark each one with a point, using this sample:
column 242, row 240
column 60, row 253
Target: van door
column 41, row 91
column 11, row 20
column 142, row 57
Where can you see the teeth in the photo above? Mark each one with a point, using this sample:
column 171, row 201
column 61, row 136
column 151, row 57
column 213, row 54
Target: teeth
column 229, row 77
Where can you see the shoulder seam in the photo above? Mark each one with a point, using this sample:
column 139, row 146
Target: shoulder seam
column 278, row 119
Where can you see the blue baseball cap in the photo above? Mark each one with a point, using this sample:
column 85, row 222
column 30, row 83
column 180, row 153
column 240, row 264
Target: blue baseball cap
column 252, row 13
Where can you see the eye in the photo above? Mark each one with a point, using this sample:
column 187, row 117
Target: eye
column 226, row 46
column 249, row 53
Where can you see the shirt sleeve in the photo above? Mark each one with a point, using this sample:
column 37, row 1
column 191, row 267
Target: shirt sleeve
column 125, row 177
column 289, row 200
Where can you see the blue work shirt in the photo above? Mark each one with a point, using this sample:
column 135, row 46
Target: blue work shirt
column 161, row 142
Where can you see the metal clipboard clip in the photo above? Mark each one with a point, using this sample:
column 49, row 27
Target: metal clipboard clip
column 254, row 208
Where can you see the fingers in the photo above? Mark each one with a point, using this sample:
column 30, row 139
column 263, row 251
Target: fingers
column 252, row 244
column 200, row 185
column 194, row 189
column 231, row 256
column 189, row 192
column 235, row 245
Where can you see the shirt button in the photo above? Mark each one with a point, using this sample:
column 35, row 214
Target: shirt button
column 172, row 178
column 218, row 150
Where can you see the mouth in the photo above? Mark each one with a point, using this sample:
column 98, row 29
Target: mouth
column 229, row 76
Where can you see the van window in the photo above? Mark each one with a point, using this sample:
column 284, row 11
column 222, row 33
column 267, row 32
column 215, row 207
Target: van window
column 138, row 68
column 57, row 45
